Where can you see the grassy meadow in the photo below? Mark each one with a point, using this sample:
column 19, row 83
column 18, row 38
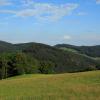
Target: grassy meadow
column 68, row 86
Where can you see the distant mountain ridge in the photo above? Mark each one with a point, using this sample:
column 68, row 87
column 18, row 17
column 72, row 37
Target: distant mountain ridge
column 5, row 46
column 93, row 51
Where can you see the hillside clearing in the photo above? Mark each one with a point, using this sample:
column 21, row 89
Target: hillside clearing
column 70, row 86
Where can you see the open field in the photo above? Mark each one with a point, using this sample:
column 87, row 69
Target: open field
column 70, row 86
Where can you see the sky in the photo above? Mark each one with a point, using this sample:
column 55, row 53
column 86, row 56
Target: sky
column 50, row 22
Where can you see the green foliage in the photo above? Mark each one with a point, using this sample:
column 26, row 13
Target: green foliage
column 3, row 68
column 31, row 58
column 93, row 51
column 46, row 67
column 12, row 64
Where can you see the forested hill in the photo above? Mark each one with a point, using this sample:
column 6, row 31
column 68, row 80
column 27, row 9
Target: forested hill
column 6, row 47
column 26, row 58
column 93, row 51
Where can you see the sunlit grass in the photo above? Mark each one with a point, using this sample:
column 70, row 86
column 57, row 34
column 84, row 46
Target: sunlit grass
column 72, row 86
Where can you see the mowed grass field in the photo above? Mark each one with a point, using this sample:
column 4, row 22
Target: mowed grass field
column 70, row 86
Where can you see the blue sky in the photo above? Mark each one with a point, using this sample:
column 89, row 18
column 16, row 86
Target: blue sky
column 50, row 21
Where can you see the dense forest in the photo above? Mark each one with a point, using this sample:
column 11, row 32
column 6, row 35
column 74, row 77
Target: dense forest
column 93, row 51
column 28, row 58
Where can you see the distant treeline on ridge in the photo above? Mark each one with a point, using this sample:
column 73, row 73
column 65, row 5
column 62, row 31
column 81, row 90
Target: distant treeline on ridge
column 29, row 58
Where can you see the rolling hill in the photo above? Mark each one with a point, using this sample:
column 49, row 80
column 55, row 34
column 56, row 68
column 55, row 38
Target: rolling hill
column 72, row 86
column 6, row 47
column 93, row 51
column 27, row 58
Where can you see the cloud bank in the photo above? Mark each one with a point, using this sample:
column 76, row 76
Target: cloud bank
column 67, row 37
column 5, row 3
column 98, row 1
column 42, row 11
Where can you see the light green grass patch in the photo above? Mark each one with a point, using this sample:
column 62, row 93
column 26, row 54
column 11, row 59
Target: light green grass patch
column 70, row 86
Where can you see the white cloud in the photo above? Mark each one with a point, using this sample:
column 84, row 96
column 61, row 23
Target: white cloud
column 67, row 37
column 48, row 11
column 27, row 2
column 82, row 13
column 8, row 11
column 98, row 1
column 44, row 11
column 5, row 3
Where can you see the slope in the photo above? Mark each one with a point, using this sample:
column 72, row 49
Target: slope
column 33, row 57
column 93, row 51
column 77, row 86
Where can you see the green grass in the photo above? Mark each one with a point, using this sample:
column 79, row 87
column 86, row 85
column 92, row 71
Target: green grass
column 71, row 86
column 69, row 49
